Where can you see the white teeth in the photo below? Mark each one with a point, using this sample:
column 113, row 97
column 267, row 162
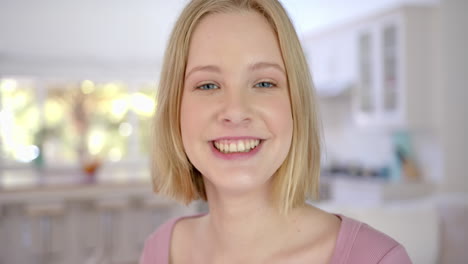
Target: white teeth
column 232, row 147
column 226, row 146
column 240, row 146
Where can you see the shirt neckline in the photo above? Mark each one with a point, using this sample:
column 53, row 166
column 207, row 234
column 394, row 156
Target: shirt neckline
column 346, row 235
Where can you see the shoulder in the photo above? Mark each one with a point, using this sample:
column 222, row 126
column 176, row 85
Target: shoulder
column 360, row 243
column 157, row 245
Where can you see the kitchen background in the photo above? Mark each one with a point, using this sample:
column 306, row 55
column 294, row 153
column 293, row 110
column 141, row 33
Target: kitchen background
column 77, row 88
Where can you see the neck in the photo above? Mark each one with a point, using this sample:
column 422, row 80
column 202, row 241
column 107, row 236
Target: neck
column 239, row 222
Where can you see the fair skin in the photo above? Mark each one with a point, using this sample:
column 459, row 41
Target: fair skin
column 236, row 125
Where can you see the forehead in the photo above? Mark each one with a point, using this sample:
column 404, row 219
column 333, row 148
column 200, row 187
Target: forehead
column 235, row 37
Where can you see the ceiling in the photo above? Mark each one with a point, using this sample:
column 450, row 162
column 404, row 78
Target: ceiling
column 63, row 36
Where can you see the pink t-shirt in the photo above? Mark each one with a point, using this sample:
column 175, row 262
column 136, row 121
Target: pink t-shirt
column 357, row 243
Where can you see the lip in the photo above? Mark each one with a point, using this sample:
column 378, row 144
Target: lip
column 239, row 155
column 237, row 138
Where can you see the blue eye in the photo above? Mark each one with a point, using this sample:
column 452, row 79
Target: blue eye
column 208, row 86
column 265, row 85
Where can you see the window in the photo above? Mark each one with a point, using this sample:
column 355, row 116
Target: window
column 58, row 128
column 19, row 122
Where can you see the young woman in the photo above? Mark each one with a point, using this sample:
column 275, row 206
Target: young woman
column 236, row 126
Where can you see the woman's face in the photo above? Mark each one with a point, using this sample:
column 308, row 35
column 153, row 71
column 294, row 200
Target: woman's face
column 236, row 119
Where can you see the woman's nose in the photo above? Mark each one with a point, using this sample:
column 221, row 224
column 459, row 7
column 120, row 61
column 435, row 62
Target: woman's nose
column 236, row 109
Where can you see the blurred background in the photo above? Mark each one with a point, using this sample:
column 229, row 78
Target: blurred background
column 78, row 81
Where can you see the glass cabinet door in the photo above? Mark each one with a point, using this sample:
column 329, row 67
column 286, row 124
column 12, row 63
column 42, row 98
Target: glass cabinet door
column 390, row 73
column 366, row 91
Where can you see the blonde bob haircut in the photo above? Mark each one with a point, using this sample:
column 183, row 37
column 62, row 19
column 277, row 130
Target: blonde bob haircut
column 173, row 175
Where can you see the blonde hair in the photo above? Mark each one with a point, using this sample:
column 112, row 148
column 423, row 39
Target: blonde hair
column 173, row 174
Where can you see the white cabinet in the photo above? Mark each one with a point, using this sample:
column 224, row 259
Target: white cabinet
column 387, row 59
column 395, row 60
column 378, row 97
column 331, row 57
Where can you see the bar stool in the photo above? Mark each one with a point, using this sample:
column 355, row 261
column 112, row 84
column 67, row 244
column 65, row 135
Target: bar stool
column 46, row 220
column 15, row 235
column 2, row 234
column 109, row 211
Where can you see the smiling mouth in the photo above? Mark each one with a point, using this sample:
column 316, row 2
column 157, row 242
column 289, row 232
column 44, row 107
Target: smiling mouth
column 236, row 146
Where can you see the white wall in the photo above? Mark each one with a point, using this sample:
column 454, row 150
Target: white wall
column 53, row 37
column 90, row 39
column 453, row 94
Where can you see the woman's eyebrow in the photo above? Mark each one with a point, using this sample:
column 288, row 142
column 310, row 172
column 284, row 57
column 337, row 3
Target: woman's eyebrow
column 262, row 65
column 209, row 68
column 251, row 67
